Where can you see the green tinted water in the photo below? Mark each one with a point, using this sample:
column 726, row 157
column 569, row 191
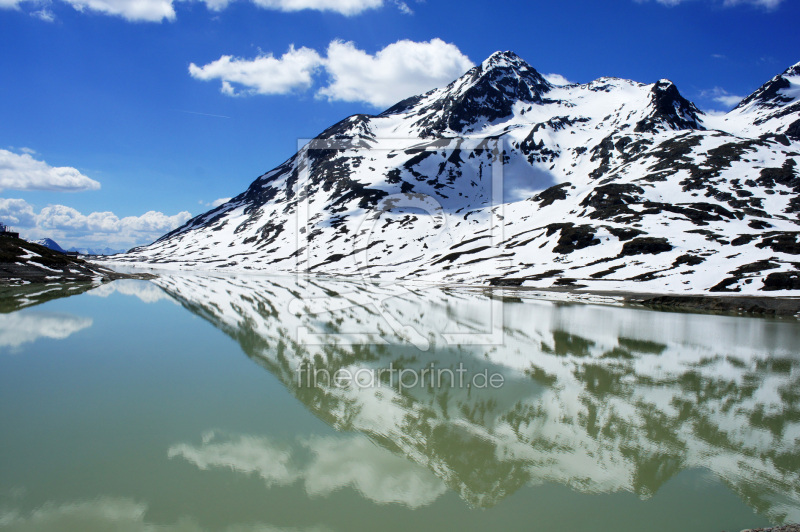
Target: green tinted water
column 180, row 405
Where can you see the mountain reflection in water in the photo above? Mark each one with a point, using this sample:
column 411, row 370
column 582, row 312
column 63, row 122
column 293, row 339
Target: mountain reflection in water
column 598, row 398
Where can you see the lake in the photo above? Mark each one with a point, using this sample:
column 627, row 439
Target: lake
column 248, row 403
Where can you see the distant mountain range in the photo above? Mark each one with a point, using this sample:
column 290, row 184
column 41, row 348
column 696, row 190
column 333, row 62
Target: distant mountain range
column 52, row 244
column 505, row 178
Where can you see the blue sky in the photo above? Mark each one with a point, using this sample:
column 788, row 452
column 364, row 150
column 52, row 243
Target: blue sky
column 109, row 135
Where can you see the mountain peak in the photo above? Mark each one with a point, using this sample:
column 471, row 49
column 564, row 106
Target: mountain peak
column 781, row 90
column 793, row 70
column 50, row 244
column 669, row 109
column 486, row 92
column 507, row 64
column 503, row 59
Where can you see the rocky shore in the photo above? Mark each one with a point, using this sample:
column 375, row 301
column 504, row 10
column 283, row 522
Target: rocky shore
column 23, row 262
column 752, row 305
column 784, row 528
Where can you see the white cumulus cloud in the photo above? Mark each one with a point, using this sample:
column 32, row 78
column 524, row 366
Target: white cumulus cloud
column 160, row 10
column 17, row 212
column 23, row 172
column 400, row 70
column 264, row 74
column 70, row 227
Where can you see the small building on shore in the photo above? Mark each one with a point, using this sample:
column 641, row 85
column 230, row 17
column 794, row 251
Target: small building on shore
column 5, row 231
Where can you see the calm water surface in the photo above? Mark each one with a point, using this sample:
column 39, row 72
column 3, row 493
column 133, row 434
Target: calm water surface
column 185, row 404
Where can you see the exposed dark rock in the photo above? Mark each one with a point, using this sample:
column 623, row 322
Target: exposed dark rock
column 450, row 257
column 565, row 281
column 669, row 109
column 645, row 246
column 552, row 194
column 741, row 240
column 612, row 200
column 689, row 260
column 782, row 281
column 759, row 224
column 793, row 131
column 624, row 233
column 755, row 267
column 518, row 281
column 609, row 271
column 573, row 237
column 785, row 242
column 768, row 306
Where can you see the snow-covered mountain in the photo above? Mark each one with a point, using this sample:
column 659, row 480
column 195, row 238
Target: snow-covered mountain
column 50, row 244
column 504, row 178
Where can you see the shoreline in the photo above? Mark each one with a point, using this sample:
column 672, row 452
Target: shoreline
column 25, row 263
column 719, row 303
column 727, row 303
column 752, row 305
column 782, row 528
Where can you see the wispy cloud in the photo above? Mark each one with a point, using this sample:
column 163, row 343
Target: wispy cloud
column 20, row 171
column 403, row 7
column 766, row 4
column 556, row 79
column 216, row 203
column 201, row 114
column 44, row 14
column 721, row 96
